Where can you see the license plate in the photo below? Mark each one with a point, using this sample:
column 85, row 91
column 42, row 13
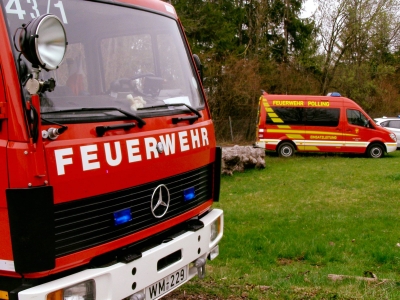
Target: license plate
column 166, row 284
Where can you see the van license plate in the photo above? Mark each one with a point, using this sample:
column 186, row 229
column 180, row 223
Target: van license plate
column 166, row 284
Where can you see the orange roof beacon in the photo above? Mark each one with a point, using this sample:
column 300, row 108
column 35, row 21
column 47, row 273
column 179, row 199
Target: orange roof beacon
column 332, row 123
column 108, row 160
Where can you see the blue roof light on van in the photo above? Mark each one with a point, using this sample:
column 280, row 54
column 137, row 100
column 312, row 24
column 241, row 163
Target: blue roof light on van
column 334, row 94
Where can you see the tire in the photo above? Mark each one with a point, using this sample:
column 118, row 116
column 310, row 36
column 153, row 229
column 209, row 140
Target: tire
column 375, row 151
column 285, row 149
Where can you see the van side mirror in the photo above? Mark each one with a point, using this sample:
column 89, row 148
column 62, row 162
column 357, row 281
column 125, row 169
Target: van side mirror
column 199, row 66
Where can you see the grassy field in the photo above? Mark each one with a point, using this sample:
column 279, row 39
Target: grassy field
column 290, row 225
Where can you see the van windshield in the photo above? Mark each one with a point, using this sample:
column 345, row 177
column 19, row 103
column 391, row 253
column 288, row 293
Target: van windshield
column 117, row 56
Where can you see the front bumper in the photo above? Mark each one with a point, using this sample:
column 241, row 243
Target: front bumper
column 391, row 147
column 122, row 280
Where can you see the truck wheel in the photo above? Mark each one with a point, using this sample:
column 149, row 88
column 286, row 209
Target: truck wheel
column 286, row 149
column 375, row 151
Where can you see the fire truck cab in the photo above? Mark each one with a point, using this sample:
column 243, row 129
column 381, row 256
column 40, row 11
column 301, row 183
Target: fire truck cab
column 109, row 166
column 332, row 123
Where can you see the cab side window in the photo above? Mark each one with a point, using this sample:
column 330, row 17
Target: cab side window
column 355, row 117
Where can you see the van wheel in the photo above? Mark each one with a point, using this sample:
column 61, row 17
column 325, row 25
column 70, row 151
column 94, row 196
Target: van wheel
column 286, row 149
column 375, row 151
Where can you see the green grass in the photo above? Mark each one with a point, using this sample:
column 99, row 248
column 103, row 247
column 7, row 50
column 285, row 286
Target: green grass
column 291, row 224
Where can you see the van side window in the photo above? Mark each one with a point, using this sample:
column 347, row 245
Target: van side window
column 322, row 116
column 289, row 115
column 355, row 117
column 305, row 116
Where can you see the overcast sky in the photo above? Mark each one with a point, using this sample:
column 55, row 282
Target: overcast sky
column 309, row 7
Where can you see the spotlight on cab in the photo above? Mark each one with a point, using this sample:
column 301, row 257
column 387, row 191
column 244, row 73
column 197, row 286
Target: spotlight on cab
column 43, row 42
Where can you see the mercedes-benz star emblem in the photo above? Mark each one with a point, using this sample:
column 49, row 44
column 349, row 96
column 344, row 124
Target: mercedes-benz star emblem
column 160, row 201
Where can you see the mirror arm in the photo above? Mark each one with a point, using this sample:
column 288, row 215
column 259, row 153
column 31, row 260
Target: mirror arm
column 199, row 66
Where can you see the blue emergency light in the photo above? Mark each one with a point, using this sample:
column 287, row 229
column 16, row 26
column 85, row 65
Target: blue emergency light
column 122, row 216
column 189, row 194
column 334, row 94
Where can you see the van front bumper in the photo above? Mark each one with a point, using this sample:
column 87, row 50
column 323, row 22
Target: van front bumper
column 391, row 147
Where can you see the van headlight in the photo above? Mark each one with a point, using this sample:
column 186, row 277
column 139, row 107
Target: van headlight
column 393, row 137
column 215, row 229
column 82, row 291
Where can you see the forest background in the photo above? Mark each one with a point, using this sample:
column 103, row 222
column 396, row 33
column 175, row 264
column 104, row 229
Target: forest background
column 348, row 46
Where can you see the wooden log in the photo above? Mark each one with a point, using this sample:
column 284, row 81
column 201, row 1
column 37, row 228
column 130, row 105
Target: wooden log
column 239, row 158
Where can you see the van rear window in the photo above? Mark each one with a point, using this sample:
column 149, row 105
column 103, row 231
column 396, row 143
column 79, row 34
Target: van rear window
column 306, row 116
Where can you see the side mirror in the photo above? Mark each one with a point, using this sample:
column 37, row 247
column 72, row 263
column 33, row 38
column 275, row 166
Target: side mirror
column 199, row 66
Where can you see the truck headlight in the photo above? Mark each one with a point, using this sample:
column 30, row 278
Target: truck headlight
column 82, row 291
column 393, row 137
column 215, row 229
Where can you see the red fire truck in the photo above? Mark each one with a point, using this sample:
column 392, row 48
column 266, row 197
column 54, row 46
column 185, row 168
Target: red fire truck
column 108, row 160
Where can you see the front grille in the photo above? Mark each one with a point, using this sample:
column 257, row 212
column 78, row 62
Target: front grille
column 85, row 223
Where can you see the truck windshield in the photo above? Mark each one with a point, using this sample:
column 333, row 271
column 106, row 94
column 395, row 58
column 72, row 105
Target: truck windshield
column 117, row 56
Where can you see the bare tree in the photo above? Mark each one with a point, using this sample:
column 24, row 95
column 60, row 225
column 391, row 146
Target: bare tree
column 348, row 30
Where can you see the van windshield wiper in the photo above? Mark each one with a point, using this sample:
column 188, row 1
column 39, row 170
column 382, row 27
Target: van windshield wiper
column 130, row 115
column 191, row 119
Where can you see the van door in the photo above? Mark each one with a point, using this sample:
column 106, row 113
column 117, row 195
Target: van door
column 323, row 130
column 357, row 131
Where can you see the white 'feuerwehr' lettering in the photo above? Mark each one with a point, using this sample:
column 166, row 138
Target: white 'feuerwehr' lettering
column 168, row 143
column 132, row 150
column 91, row 157
column 87, row 158
column 183, row 141
column 118, row 154
column 204, row 136
column 61, row 162
column 151, row 147
column 195, row 138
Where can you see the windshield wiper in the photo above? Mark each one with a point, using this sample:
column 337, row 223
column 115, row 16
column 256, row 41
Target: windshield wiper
column 130, row 115
column 191, row 119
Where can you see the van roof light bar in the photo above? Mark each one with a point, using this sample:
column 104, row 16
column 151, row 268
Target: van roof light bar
column 334, row 94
